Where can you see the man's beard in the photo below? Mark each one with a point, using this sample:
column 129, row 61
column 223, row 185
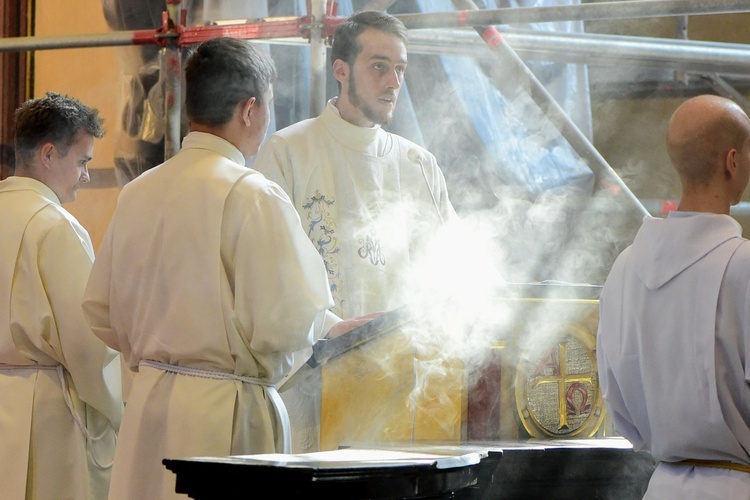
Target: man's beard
column 384, row 118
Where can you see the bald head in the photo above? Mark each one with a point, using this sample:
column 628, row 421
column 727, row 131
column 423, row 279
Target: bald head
column 702, row 132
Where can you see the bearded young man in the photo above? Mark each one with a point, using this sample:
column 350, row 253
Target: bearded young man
column 366, row 197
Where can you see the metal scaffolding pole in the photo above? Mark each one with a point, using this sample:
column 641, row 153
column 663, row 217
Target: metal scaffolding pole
column 172, row 74
column 593, row 49
column 318, row 53
column 286, row 27
column 661, row 207
column 115, row 39
column 377, row 5
column 581, row 12
column 270, row 28
column 725, row 89
column 517, row 76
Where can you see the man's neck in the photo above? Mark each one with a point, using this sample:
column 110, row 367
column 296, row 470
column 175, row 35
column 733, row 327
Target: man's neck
column 30, row 172
column 709, row 204
column 352, row 114
column 227, row 132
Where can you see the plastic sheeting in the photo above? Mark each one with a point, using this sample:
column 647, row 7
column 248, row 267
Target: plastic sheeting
column 481, row 137
column 483, row 140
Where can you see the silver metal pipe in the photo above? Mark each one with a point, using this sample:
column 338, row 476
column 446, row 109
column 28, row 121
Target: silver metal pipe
column 317, row 59
column 579, row 12
column 660, row 208
column 725, row 89
column 681, row 33
column 172, row 73
column 377, row 5
column 593, row 49
column 117, row 38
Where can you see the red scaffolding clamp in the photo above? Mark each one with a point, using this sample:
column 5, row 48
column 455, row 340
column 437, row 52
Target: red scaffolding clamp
column 328, row 23
column 277, row 27
column 161, row 35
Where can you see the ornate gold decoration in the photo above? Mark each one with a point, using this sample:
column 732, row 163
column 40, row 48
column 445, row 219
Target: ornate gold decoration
column 557, row 386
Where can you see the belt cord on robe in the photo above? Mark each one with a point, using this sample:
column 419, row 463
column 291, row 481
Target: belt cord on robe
column 60, row 369
column 716, row 464
column 269, row 388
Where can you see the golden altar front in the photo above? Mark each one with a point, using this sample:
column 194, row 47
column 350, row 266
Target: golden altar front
column 533, row 377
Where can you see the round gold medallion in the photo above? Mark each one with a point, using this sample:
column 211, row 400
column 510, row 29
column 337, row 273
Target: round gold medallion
column 557, row 386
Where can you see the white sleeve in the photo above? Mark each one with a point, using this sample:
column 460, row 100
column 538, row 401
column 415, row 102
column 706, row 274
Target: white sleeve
column 279, row 276
column 64, row 265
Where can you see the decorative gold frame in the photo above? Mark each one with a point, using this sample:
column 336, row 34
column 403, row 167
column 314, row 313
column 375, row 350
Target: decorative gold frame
column 575, row 385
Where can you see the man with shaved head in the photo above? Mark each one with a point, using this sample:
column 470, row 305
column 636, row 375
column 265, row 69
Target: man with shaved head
column 674, row 331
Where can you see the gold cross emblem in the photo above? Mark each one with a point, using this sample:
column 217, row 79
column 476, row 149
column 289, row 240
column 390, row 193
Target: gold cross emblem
column 558, row 363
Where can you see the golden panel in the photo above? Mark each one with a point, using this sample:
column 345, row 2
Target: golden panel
column 391, row 391
column 557, row 386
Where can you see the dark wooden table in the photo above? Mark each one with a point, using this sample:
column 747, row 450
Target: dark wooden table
column 596, row 469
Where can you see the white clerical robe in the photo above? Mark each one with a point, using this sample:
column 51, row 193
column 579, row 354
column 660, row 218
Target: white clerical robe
column 205, row 266
column 47, row 352
column 674, row 352
column 365, row 197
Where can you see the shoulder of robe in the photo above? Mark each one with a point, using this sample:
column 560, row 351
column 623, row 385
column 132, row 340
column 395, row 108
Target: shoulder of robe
column 740, row 261
column 256, row 183
column 297, row 133
column 405, row 145
column 52, row 216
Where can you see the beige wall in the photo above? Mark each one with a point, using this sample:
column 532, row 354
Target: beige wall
column 91, row 75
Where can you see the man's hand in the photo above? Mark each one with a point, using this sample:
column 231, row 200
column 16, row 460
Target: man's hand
column 342, row 327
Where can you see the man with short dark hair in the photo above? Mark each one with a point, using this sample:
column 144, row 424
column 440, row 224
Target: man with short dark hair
column 674, row 331
column 60, row 393
column 207, row 284
column 368, row 198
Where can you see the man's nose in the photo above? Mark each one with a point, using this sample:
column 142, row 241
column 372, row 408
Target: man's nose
column 85, row 175
column 395, row 79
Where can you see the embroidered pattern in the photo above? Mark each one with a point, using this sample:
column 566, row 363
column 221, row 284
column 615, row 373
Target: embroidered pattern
column 320, row 212
column 321, row 229
column 370, row 249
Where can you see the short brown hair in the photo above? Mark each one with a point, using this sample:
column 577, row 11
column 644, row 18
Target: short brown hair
column 221, row 73
column 345, row 39
column 53, row 118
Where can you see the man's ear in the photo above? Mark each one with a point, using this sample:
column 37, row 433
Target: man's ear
column 247, row 110
column 45, row 154
column 730, row 163
column 341, row 70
